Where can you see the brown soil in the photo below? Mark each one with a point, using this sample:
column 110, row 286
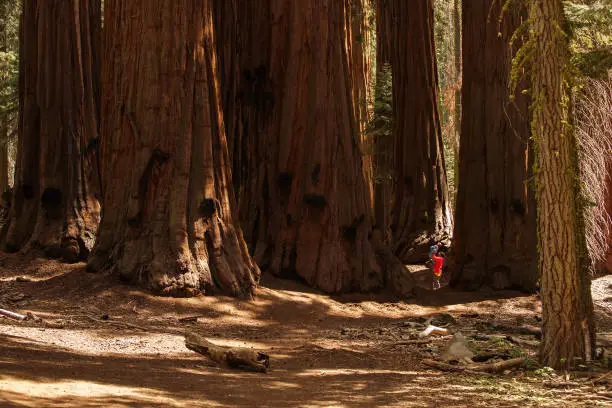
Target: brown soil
column 326, row 351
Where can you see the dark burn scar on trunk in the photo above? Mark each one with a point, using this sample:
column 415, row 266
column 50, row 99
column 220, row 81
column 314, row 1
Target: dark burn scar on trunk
column 316, row 201
column 209, row 207
column 51, row 201
column 284, row 182
column 150, row 172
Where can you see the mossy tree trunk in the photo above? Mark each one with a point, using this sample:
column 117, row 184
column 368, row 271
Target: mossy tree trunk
column 567, row 308
column 168, row 220
column 495, row 218
column 304, row 199
column 55, row 205
column 421, row 211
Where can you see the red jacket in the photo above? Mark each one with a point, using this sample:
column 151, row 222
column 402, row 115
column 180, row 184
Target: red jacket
column 438, row 264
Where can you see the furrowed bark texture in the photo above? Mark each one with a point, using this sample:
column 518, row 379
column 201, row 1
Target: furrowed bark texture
column 495, row 218
column 607, row 265
column 383, row 147
column 359, row 19
column 567, row 322
column 304, row 200
column 421, row 206
column 167, row 221
column 55, row 207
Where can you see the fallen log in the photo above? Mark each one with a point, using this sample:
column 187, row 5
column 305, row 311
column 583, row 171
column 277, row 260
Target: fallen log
column 12, row 315
column 477, row 368
column 500, row 365
column 525, row 329
column 411, row 342
column 482, row 358
column 235, row 357
column 450, row 367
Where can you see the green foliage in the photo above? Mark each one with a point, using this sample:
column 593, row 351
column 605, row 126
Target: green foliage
column 589, row 25
column 9, row 65
column 380, row 128
column 446, row 38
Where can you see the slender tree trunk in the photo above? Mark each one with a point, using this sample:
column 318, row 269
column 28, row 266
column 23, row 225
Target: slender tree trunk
column 567, row 321
column 304, row 200
column 168, row 203
column 4, row 161
column 495, row 221
column 383, row 146
column 608, row 262
column 361, row 66
column 458, row 74
column 421, row 206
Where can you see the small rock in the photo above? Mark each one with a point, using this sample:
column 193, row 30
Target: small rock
column 457, row 349
column 23, row 279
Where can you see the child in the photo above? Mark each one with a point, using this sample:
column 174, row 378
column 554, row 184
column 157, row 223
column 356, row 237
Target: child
column 438, row 263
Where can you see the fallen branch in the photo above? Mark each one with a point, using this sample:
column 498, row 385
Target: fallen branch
column 236, row 357
column 12, row 315
column 481, row 358
column 450, row 368
column 522, row 342
column 500, row 365
column 602, row 378
column 409, row 342
column 190, row 319
column 560, row 384
column 478, row 368
column 525, row 329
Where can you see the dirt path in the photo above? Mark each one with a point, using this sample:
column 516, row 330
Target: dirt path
column 325, row 351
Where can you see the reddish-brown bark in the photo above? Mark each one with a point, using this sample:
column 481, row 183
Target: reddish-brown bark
column 421, row 206
column 55, row 206
column 168, row 203
column 495, row 218
column 304, row 199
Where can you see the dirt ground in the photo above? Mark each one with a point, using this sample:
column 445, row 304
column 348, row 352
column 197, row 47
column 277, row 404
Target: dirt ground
column 106, row 344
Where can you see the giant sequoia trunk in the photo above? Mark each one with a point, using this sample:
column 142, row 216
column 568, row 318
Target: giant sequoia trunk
column 55, row 206
column 168, row 221
column 304, row 200
column 567, row 321
column 421, row 205
column 495, row 222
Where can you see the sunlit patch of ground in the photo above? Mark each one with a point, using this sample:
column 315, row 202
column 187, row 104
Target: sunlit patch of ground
column 120, row 347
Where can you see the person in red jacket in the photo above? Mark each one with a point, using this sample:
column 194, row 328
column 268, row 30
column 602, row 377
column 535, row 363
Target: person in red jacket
column 438, row 263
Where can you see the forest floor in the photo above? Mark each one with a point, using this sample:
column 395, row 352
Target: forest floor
column 106, row 344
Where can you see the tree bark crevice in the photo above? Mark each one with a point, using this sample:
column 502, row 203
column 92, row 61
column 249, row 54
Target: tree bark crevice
column 168, row 222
